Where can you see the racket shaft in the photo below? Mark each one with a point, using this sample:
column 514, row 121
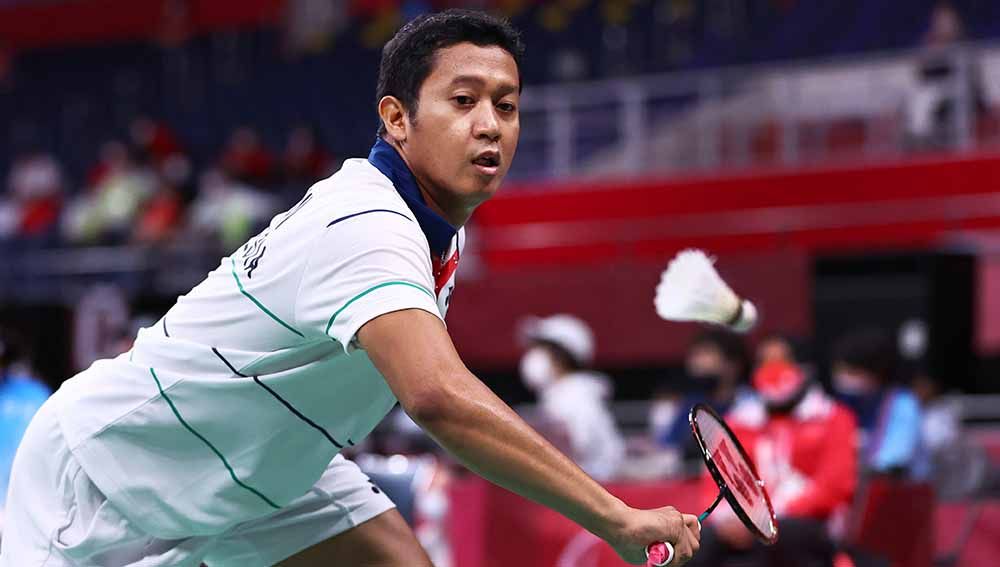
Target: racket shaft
column 704, row 515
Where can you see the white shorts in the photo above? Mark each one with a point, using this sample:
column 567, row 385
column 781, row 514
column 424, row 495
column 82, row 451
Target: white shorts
column 57, row 517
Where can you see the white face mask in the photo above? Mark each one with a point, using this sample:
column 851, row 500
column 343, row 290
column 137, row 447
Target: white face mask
column 661, row 415
column 537, row 369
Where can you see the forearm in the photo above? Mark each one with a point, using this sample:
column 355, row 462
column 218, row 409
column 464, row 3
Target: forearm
column 490, row 439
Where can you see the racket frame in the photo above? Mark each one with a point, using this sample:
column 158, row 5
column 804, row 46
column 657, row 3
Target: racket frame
column 724, row 491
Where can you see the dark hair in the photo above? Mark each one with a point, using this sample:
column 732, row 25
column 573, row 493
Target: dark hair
column 564, row 357
column 407, row 59
column 799, row 347
column 869, row 349
column 729, row 345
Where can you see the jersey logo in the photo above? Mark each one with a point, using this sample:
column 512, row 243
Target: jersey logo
column 443, row 271
column 253, row 251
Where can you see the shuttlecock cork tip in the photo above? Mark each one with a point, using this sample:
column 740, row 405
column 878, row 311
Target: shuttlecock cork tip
column 745, row 317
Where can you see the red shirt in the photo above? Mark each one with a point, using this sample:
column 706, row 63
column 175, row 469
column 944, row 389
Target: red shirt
column 807, row 459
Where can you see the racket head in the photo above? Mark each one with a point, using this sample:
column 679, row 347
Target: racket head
column 734, row 472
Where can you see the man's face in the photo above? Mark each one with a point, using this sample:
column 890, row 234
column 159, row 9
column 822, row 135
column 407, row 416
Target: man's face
column 462, row 138
column 706, row 360
column 772, row 350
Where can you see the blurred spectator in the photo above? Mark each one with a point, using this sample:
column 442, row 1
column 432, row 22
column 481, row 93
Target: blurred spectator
column 107, row 212
column 154, row 142
column 246, row 159
column 111, row 157
column 777, row 347
column 228, row 212
column 20, row 397
column 160, row 216
column 864, row 378
column 947, row 79
column 306, row 160
column 716, row 369
column 957, row 467
column 803, row 444
column 35, row 186
column 311, row 25
column 573, row 400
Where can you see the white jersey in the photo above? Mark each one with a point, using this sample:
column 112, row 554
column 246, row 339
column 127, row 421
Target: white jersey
column 234, row 403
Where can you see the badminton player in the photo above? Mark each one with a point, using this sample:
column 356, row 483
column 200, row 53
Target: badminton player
column 216, row 438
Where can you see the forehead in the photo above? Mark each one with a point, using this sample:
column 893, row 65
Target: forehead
column 704, row 355
column 491, row 64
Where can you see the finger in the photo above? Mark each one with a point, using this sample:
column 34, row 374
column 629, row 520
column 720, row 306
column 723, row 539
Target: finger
column 694, row 539
column 682, row 550
column 692, row 523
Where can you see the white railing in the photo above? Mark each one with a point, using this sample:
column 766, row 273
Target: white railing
column 804, row 112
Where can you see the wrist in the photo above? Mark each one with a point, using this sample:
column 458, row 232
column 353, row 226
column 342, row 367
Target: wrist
column 611, row 522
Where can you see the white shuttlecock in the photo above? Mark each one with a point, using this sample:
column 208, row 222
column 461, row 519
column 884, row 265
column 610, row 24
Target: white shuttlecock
column 691, row 290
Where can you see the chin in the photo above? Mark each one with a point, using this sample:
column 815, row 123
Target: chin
column 488, row 191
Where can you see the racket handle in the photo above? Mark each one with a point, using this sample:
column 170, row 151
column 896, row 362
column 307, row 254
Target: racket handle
column 659, row 554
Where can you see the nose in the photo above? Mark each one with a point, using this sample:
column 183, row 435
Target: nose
column 487, row 123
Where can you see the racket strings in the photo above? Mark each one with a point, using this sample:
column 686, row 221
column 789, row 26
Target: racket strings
column 737, row 473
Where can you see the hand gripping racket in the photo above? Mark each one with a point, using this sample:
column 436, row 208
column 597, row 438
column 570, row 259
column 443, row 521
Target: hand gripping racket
column 738, row 481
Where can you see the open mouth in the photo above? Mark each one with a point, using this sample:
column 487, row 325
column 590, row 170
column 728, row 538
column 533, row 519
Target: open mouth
column 487, row 162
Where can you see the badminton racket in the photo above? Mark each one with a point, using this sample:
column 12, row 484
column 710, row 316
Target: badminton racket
column 736, row 477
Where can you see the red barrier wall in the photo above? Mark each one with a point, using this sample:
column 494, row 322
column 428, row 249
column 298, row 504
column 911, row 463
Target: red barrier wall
column 915, row 204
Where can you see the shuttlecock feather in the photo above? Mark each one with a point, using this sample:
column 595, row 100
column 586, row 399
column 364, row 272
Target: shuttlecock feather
column 691, row 290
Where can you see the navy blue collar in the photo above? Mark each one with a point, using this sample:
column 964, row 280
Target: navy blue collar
column 438, row 231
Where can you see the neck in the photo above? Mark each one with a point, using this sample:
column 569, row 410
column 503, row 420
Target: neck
column 724, row 393
column 457, row 216
column 457, row 213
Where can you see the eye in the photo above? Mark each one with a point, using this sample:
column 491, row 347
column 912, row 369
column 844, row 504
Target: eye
column 506, row 107
column 464, row 100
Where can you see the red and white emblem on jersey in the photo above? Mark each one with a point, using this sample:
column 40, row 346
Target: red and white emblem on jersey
column 443, row 271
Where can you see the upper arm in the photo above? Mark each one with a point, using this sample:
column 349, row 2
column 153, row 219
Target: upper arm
column 414, row 353
column 902, row 434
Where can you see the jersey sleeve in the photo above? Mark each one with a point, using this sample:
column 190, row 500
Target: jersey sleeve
column 363, row 267
column 899, row 446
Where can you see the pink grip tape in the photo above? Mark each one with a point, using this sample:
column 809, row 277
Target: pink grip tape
column 659, row 554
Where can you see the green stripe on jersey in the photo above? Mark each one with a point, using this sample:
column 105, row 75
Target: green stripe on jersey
column 369, row 290
column 225, row 463
column 259, row 304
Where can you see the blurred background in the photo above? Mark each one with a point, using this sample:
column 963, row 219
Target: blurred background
column 841, row 160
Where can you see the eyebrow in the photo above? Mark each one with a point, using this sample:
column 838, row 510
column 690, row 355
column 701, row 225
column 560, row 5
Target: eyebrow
column 505, row 88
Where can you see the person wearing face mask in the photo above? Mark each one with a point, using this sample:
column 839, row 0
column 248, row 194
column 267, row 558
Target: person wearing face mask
column 715, row 370
column 803, row 444
column 889, row 414
column 572, row 399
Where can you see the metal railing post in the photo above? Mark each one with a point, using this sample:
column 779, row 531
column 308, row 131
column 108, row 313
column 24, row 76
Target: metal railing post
column 560, row 134
column 632, row 126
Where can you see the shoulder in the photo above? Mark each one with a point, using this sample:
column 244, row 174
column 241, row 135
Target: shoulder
column 358, row 179
column 359, row 202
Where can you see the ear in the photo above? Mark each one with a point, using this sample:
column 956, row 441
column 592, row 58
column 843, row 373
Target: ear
column 393, row 115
